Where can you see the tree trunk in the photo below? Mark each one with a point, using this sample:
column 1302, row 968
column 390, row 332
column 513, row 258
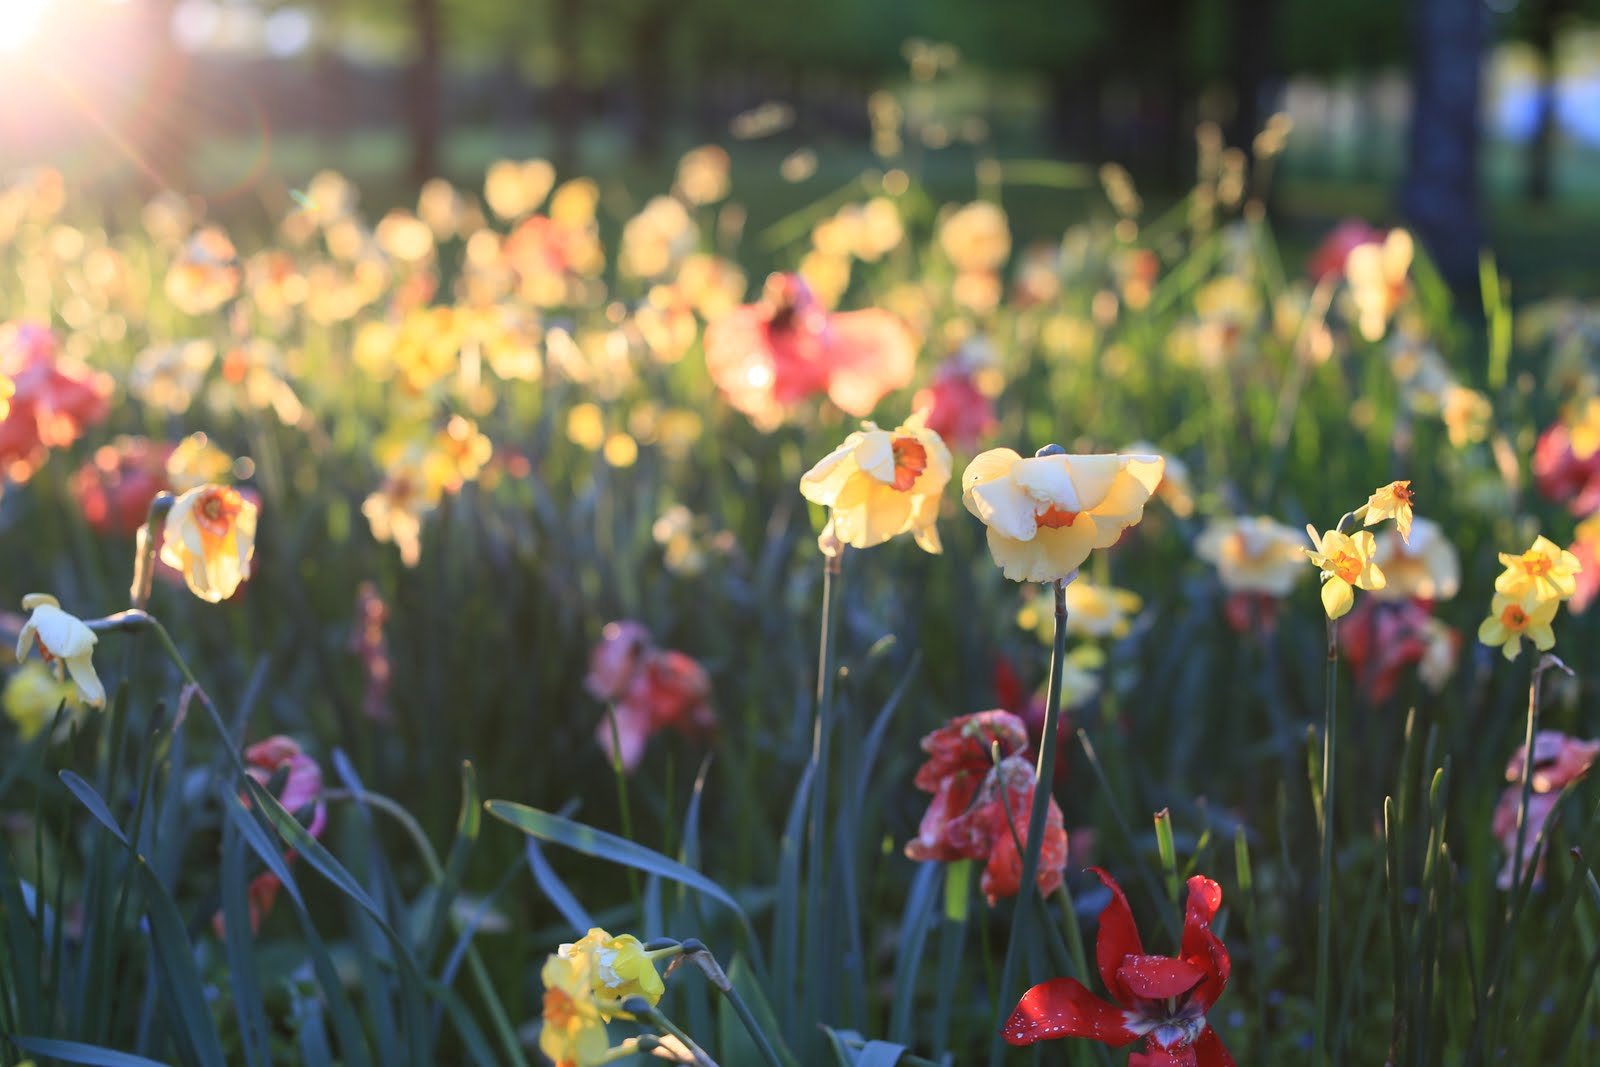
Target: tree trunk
column 425, row 90
column 1541, row 146
column 653, row 84
column 566, row 28
column 1250, row 65
column 1440, row 195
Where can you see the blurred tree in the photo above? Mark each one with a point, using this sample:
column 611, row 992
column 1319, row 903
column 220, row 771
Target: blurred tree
column 426, row 85
column 1440, row 194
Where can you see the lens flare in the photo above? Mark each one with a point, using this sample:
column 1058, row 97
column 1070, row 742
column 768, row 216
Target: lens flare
column 20, row 21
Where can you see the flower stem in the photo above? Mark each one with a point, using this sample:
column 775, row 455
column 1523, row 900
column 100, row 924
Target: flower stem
column 1546, row 662
column 147, row 545
column 1044, row 779
column 821, row 733
column 667, row 1025
column 1319, row 1043
column 620, row 775
column 696, row 953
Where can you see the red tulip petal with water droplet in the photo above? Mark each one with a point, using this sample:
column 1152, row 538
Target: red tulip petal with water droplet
column 1064, row 1007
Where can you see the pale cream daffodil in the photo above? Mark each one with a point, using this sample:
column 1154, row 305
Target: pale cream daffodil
column 1427, row 567
column 210, row 538
column 880, row 483
column 64, row 642
column 1046, row 514
column 1253, row 554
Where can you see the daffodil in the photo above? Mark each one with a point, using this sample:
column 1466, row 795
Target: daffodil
column 1427, row 567
column 618, row 968
column 1254, row 554
column 1100, row 610
column 1046, row 514
column 1393, row 501
column 573, row 1034
column 1511, row 619
column 880, row 483
column 1544, row 572
column 33, row 695
column 1377, row 277
column 1347, row 564
column 210, row 537
column 64, row 642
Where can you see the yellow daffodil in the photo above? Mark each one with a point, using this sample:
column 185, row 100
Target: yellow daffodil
column 32, row 696
column 1393, row 501
column 1347, row 564
column 64, row 641
column 1511, row 619
column 210, row 537
column 1046, row 514
column 1427, row 567
column 618, row 968
column 1544, row 572
column 573, row 1034
column 880, row 483
column 1255, row 554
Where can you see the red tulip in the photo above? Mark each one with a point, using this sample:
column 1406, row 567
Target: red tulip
column 1161, row 999
column 1329, row 258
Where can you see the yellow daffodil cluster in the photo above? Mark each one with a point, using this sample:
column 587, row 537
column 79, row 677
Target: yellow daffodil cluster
column 1526, row 596
column 585, row 984
column 1348, row 561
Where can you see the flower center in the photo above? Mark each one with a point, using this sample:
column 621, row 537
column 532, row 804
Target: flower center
column 1345, row 566
column 1054, row 517
column 216, row 510
column 910, row 460
column 559, row 1009
column 1535, row 565
column 1514, row 618
column 1402, row 494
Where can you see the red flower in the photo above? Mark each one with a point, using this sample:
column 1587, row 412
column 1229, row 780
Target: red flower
column 301, row 792
column 1030, row 707
column 1328, row 260
column 1161, row 999
column 770, row 355
column 115, row 488
column 1251, row 612
column 649, row 689
column 958, row 411
column 967, row 816
column 1562, row 475
column 53, row 402
column 1380, row 638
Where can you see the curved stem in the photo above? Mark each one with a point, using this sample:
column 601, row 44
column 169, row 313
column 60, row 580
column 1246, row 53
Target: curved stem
column 1044, row 777
column 667, row 1025
column 1325, row 876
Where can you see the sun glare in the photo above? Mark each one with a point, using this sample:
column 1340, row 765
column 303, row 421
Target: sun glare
column 20, row 21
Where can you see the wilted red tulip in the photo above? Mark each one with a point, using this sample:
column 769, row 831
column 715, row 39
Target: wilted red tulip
column 770, row 355
column 1011, row 785
column 649, row 689
column 1558, row 761
column 115, row 488
column 301, row 794
column 1159, row 998
column 1380, row 638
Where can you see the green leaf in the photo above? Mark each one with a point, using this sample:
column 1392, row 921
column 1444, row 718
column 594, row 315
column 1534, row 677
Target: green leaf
column 76, row 1052
column 90, row 799
column 591, row 842
column 736, row 1044
column 468, row 824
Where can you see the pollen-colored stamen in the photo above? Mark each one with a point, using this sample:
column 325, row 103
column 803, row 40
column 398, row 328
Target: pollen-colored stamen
column 1514, row 618
column 1402, row 493
column 910, row 460
column 1053, row 517
column 559, row 1009
column 1535, row 565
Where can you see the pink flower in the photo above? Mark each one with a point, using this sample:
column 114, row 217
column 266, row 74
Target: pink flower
column 1380, row 638
column 768, row 356
column 649, row 689
column 1159, row 998
column 301, row 794
column 1562, row 475
column 1329, row 258
column 958, row 411
column 1251, row 612
column 371, row 644
column 1558, row 761
column 115, row 488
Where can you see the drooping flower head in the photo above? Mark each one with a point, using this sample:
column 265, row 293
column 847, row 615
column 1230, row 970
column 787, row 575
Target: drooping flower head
column 768, row 356
column 211, row 537
column 1046, row 514
column 1392, row 501
column 881, row 483
column 65, row 643
column 33, row 695
column 302, row 786
column 618, row 968
column 1161, row 999
column 1346, row 561
column 573, row 1033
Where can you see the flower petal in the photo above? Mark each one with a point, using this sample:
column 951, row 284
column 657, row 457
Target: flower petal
column 1064, row 1007
column 1337, row 597
column 1158, row 977
column 1209, row 1050
column 1118, row 939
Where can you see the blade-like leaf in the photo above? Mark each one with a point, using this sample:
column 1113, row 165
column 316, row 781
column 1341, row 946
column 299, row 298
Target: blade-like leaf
column 76, row 1052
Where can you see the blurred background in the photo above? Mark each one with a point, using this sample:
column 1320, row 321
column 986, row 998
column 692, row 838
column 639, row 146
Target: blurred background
column 1476, row 121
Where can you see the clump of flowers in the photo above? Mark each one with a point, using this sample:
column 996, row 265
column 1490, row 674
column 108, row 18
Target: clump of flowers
column 585, row 984
column 648, row 689
column 1558, row 762
column 52, row 398
column 1527, row 594
column 1163, row 1000
column 768, row 356
column 1046, row 514
column 972, row 796
column 882, row 483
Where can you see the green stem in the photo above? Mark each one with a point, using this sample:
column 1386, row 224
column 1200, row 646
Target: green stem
column 758, row 1035
column 667, row 1025
column 1319, row 1046
column 626, row 810
column 1539, row 668
column 1080, row 958
column 1043, row 778
column 821, row 732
